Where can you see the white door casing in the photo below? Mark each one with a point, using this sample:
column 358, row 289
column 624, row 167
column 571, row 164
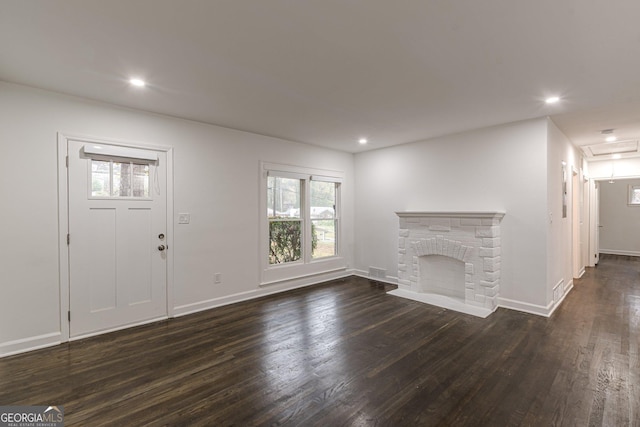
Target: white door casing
column 117, row 272
column 597, row 234
column 594, row 220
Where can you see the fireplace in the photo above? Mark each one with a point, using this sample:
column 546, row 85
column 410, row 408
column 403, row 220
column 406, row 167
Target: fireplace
column 450, row 259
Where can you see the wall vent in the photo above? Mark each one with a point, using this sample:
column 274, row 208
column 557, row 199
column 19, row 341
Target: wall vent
column 558, row 291
column 377, row 273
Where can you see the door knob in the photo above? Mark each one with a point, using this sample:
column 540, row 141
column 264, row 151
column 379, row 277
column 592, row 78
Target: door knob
column 161, row 248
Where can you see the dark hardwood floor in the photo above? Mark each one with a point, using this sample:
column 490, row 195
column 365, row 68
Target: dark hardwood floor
column 345, row 353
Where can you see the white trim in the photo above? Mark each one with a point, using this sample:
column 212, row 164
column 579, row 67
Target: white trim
column 31, row 343
column 63, row 230
column 196, row 307
column 539, row 310
column 392, row 280
column 302, row 276
column 117, row 328
column 526, row 307
column 582, row 272
column 63, row 140
column 618, row 252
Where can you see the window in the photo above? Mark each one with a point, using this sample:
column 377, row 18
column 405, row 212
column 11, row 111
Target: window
column 119, row 172
column 301, row 228
column 634, row 195
column 285, row 221
column 115, row 179
column 323, row 218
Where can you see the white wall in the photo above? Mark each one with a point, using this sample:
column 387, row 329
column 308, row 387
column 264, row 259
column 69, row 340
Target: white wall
column 502, row 168
column 216, row 180
column 559, row 229
column 620, row 231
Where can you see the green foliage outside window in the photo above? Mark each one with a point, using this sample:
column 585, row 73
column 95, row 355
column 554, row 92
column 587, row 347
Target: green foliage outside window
column 285, row 243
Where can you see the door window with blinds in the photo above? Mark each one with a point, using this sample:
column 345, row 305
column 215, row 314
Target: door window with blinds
column 302, row 218
column 119, row 179
column 119, row 172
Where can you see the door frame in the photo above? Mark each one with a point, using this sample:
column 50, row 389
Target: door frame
column 594, row 207
column 63, row 221
column 576, row 214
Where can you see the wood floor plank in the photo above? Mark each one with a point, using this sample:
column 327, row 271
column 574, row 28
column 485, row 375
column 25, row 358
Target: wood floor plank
column 346, row 353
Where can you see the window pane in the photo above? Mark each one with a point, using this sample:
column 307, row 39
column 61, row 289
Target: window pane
column 100, row 178
column 140, row 180
column 323, row 199
column 285, row 244
column 121, row 179
column 323, row 241
column 283, row 197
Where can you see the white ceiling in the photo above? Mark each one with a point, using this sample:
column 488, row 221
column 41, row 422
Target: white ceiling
column 328, row 72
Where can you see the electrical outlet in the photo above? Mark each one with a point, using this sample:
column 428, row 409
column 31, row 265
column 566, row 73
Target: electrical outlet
column 217, row 278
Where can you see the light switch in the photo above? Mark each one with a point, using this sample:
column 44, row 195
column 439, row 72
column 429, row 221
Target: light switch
column 184, row 218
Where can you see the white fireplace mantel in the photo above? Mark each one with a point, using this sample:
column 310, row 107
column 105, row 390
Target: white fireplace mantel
column 450, row 259
column 454, row 214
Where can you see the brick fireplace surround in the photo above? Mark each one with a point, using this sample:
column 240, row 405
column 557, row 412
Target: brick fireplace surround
column 459, row 255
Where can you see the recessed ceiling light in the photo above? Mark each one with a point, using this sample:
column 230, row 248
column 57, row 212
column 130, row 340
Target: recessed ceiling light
column 362, row 141
column 616, row 156
column 137, row 82
column 610, row 138
column 552, row 99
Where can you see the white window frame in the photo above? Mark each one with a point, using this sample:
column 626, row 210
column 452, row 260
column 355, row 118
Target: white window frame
column 632, row 190
column 307, row 265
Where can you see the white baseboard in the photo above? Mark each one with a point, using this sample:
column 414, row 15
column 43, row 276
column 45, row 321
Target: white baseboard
column 117, row 328
column 540, row 310
column 525, row 307
column 28, row 344
column 364, row 274
column 284, row 286
column 618, row 252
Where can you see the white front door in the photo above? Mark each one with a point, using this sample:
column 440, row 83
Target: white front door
column 117, row 237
